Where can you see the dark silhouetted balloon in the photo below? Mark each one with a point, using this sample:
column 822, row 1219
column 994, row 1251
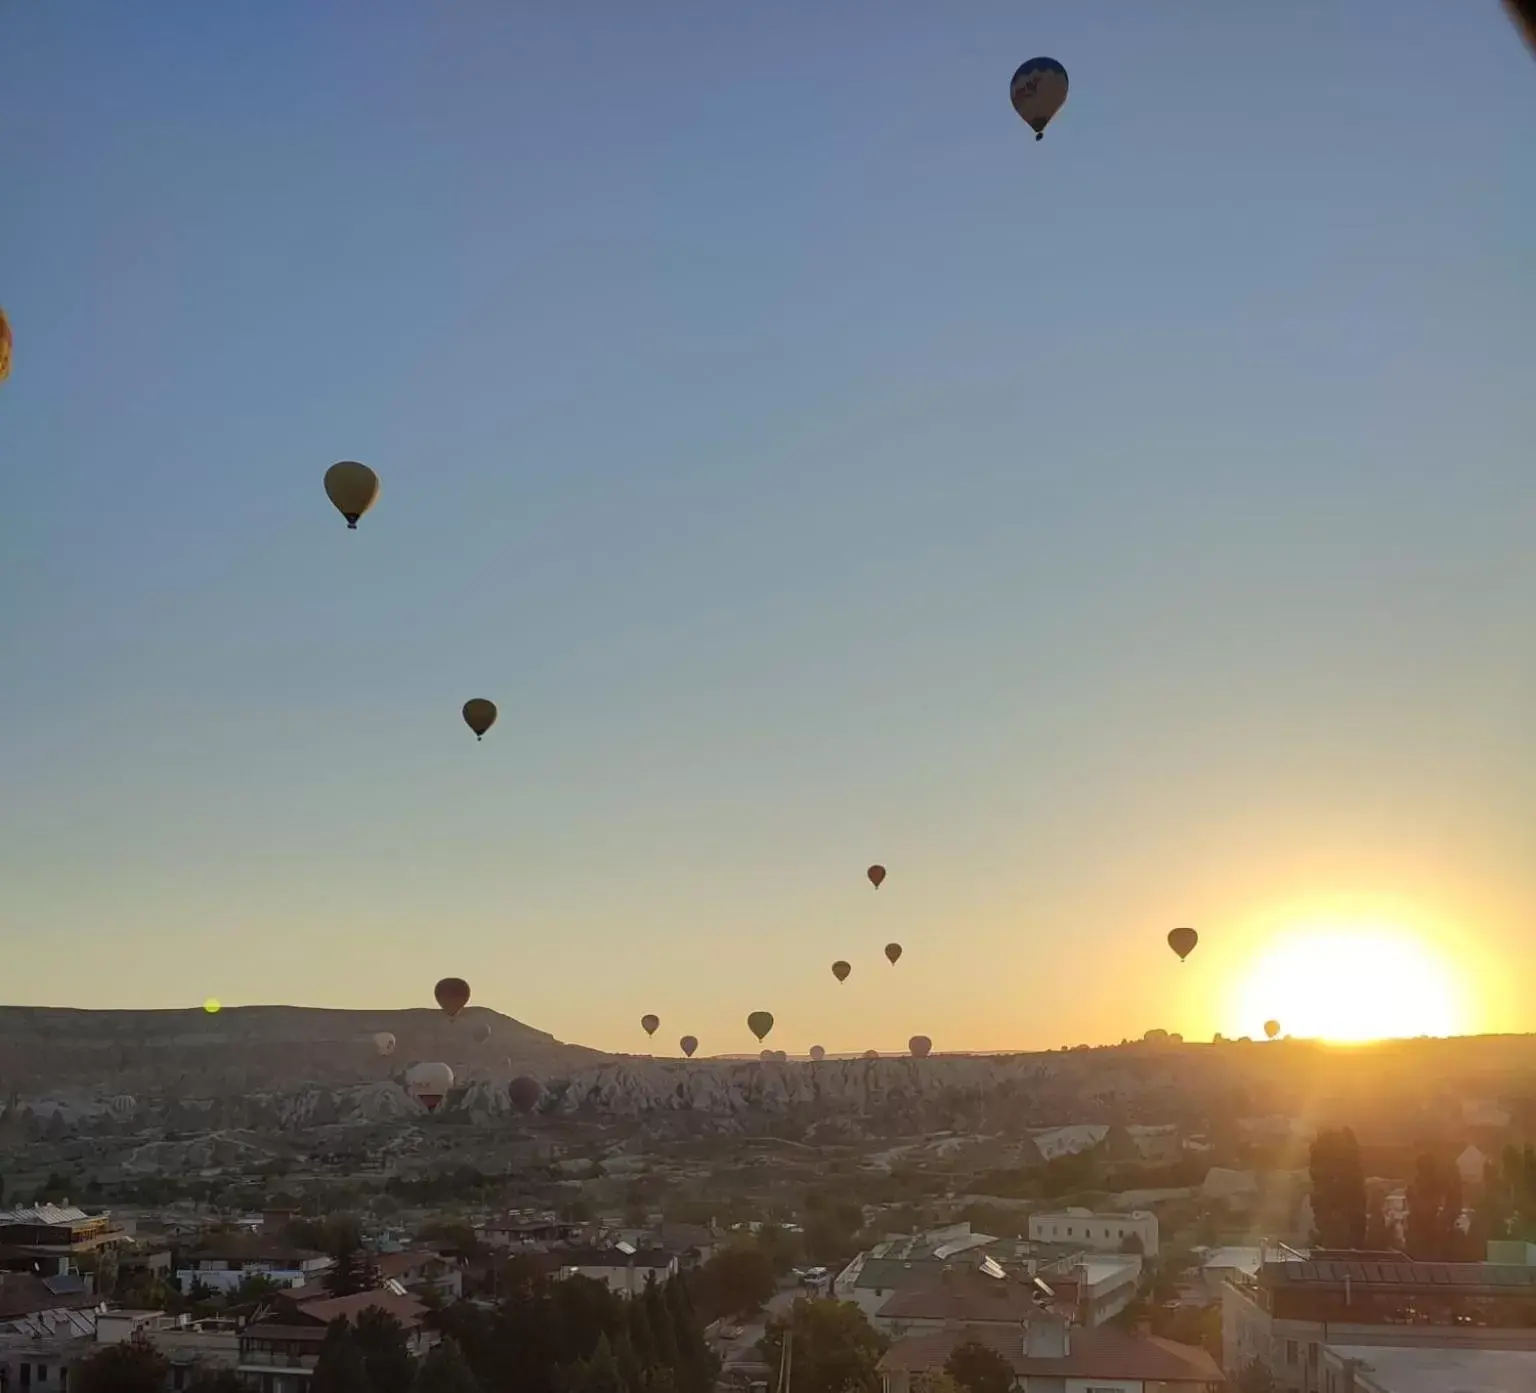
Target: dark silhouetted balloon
column 760, row 1023
column 525, row 1093
column 688, row 1044
column 1038, row 90
column 650, row 1024
column 840, row 970
column 5, row 347
column 919, row 1045
column 765, row 1056
column 353, row 488
column 1183, row 941
column 893, row 951
column 871, row 1054
column 452, row 995
column 479, row 715
column 876, row 874
column 817, row 1054
column 1522, row 12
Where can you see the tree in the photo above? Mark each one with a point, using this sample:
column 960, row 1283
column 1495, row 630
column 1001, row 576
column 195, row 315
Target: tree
column 835, row 1349
column 1132, row 1243
column 597, row 1374
column 133, row 1366
column 253, row 1288
column 386, row 1352
column 445, row 1370
column 736, row 1281
column 340, row 1367
column 1255, row 1378
column 1338, row 1191
column 354, row 1269
column 1434, row 1207
column 979, row 1368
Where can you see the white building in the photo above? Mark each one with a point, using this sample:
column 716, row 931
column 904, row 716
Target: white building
column 1366, row 1369
column 621, row 1269
column 1104, row 1233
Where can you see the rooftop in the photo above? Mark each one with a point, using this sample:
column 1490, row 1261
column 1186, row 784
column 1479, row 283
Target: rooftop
column 962, row 1296
column 615, row 1257
column 1398, row 1276
column 1099, row 1353
column 52, row 1214
column 1420, row 1370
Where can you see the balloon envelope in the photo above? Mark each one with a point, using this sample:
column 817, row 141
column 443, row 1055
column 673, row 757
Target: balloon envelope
column 760, row 1023
column 352, row 488
column 1183, row 941
column 817, row 1054
column 766, row 1056
column 650, row 1024
column 5, row 347
column 384, row 1042
column 479, row 715
column 123, row 1105
column 428, row 1083
column 871, row 1054
column 525, row 1093
column 1271, row 1028
column 1038, row 90
column 876, row 874
column 688, row 1044
column 481, row 1034
column 840, row 970
column 919, row 1045
column 452, row 995
column 893, row 951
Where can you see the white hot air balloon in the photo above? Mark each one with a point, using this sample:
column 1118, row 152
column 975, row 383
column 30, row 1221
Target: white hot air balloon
column 429, row 1084
column 384, row 1043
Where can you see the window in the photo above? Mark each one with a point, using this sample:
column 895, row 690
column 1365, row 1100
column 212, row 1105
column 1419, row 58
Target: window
column 26, row 1375
column 42, row 1373
column 1290, row 1352
column 1069, row 1230
column 1312, row 1354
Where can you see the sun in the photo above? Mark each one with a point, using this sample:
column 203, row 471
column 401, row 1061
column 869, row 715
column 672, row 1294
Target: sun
column 1350, row 983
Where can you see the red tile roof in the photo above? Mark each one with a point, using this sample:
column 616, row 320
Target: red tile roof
column 1099, row 1353
column 405, row 1309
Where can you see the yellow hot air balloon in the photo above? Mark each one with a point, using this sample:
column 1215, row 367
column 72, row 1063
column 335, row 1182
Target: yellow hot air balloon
column 840, row 970
column 353, row 488
column 760, row 1023
column 1271, row 1028
column 5, row 347
column 1183, row 941
column 479, row 715
column 211, row 1006
column 893, row 951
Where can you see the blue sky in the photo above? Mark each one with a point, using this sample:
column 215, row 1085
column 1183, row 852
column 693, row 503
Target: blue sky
column 1124, row 530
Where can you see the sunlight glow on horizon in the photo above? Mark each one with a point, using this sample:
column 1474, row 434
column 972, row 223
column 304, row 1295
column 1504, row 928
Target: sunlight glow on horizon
column 1350, row 982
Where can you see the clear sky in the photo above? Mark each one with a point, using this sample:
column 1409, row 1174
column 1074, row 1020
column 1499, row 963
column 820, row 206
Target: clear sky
column 1127, row 530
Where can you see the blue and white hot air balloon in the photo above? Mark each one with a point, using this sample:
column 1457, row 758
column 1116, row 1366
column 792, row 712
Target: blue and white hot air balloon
column 1038, row 91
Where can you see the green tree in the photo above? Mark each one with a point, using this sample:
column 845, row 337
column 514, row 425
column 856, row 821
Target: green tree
column 1255, row 1378
column 445, row 1370
column 1434, row 1206
column 979, row 1368
column 1338, row 1191
column 736, row 1281
column 340, row 1367
column 254, row 1288
column 386, row 1352
column 835, row 1349
column 133, row 1366
column 597, row 1374
column 353, row 1268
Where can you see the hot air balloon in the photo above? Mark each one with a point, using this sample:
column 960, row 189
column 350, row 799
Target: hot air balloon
column 760, row 1023
column 688, row 1044
column 919, row 1045
column 1522, row 12
column 765, row 1056
column 481, row 1034
column 893, row 951
column 1038, row 90
column 452, row 995
column 876, row 874
column 525, row 1093
column 871, row 1054
column 211, row 1006
column 5, row 347
column 123, row 1105
column 428, row 1084
column 650, row 1024
column 353, row 488
column 384, row 1043
column 779, row 1057
column 817, row 1054
column 840, row 970
column 479, row 715
column 1271, row 1028
column 1183, row 941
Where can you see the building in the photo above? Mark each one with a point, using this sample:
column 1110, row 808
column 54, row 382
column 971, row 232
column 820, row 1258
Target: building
column 1105, row 1233
column 1219, row 1265
column 1048, row 1357
column 51, row 1238
column 223, row 1261
column 522, row 1232
column 189, row 1344
column 37, row 1349
column 1365, row 1369
column 907, row 1263
column 281, row 1344
column 1284, row 1315
column 619, row 1268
